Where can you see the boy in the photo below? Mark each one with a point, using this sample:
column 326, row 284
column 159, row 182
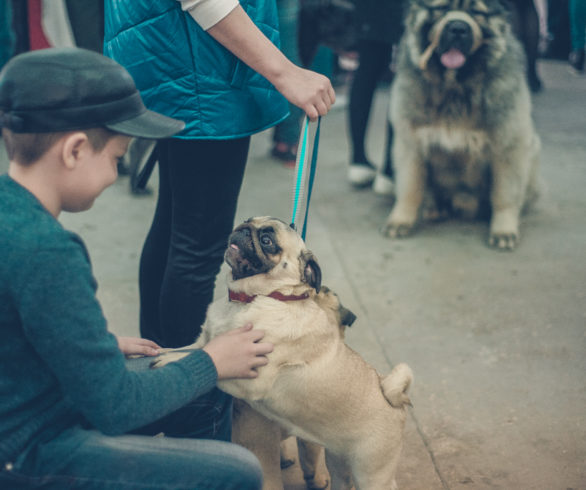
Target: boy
column 67, row 399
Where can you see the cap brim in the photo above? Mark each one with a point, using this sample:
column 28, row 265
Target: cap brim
column 149, row 124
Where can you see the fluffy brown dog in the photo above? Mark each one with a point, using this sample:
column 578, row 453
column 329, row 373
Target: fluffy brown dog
column 461, row 112
column 314, row 385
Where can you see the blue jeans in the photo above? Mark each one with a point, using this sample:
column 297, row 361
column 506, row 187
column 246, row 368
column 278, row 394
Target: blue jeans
column 82, row 458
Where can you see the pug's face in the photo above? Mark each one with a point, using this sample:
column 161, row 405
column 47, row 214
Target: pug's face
column 269, row 250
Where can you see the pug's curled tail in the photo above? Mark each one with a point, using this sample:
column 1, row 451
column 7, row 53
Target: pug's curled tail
column 396, row 384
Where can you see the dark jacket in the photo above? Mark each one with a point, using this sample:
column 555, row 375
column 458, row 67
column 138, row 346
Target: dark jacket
column 379, row 20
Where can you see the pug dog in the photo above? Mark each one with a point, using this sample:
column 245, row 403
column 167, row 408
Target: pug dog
column 314, row 386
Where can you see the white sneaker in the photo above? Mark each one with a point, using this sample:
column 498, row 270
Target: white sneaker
column 383, row 185
column 361, row 175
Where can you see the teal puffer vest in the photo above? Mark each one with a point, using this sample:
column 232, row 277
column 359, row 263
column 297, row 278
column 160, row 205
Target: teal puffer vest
column 182, row 72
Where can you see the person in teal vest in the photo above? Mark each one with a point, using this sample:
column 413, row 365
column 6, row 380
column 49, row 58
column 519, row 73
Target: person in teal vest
column 216, row 65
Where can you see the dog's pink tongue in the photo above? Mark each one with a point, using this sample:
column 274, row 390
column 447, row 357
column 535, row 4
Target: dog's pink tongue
column 453, row 59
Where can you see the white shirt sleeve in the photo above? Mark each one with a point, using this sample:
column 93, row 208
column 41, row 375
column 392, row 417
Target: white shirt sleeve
column 208, row 13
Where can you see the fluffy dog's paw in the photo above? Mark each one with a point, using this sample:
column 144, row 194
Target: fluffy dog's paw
column 503, row 241
column 396, row 230
column 167, row 357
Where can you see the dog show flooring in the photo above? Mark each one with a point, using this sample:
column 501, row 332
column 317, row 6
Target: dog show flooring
column 496, row 340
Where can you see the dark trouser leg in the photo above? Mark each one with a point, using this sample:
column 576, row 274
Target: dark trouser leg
column 198, row 197
column 288, row 130
column 153, row 260
column 527, row 27
column 374, row 58
column 388, row 165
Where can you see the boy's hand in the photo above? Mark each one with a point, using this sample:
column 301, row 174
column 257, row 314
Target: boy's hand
column 237, row 353
column 134, row 345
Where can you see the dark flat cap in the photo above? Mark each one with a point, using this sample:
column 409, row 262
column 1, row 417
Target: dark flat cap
column 66, row 89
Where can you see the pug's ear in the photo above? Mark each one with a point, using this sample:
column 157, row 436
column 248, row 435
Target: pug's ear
column 311, row 273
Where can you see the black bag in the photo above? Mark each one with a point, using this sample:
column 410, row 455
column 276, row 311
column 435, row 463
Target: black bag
column 327, row 22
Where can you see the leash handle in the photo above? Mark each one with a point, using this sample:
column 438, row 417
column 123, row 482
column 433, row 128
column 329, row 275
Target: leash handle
column 304, row 175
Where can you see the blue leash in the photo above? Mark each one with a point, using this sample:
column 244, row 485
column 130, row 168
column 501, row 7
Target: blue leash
column 301, row 175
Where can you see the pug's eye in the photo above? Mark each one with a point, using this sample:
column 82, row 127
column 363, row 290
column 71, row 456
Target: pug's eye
column 266, row 240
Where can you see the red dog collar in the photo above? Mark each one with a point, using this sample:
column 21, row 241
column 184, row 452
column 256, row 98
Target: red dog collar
column 245, row 298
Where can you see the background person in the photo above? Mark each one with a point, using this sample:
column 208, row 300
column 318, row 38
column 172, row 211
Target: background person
column 379, row 27
column 526, row 24
column 286, row 133
column 577, row 9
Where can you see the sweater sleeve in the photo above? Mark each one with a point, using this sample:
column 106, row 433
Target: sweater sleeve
column 207, row 13
column 64, row 323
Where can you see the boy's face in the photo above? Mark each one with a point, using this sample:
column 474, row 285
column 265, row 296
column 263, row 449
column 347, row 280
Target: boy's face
column 95, row 171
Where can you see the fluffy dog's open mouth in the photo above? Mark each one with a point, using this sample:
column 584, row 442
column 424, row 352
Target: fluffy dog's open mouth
column 455, row 43
column 454, row 38
column 453, row 59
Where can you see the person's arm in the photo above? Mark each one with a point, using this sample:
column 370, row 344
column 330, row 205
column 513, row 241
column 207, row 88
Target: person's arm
column 306, row 89
column 64, row 323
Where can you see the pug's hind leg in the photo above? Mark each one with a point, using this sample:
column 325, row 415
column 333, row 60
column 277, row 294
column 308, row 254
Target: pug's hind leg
column 261, row 436
column 311, row 459
column 340, row 472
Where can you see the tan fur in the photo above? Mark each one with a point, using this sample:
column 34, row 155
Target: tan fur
column 314, row 386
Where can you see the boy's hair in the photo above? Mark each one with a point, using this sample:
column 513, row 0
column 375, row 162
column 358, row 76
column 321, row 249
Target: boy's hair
column 26, row 148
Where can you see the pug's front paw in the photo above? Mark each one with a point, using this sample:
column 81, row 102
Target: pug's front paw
column 166, row 358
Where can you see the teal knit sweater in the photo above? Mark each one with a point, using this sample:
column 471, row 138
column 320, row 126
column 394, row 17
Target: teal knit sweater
column 59, row 366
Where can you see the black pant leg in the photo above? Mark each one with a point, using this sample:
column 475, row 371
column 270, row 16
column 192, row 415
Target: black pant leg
column 374, row 58
column 196, row 210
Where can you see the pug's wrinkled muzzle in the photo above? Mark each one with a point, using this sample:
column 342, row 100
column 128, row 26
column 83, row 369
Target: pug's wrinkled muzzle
column 241, row 254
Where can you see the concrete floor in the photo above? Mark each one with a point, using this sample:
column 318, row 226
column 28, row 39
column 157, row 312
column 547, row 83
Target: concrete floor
column 497, row 341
